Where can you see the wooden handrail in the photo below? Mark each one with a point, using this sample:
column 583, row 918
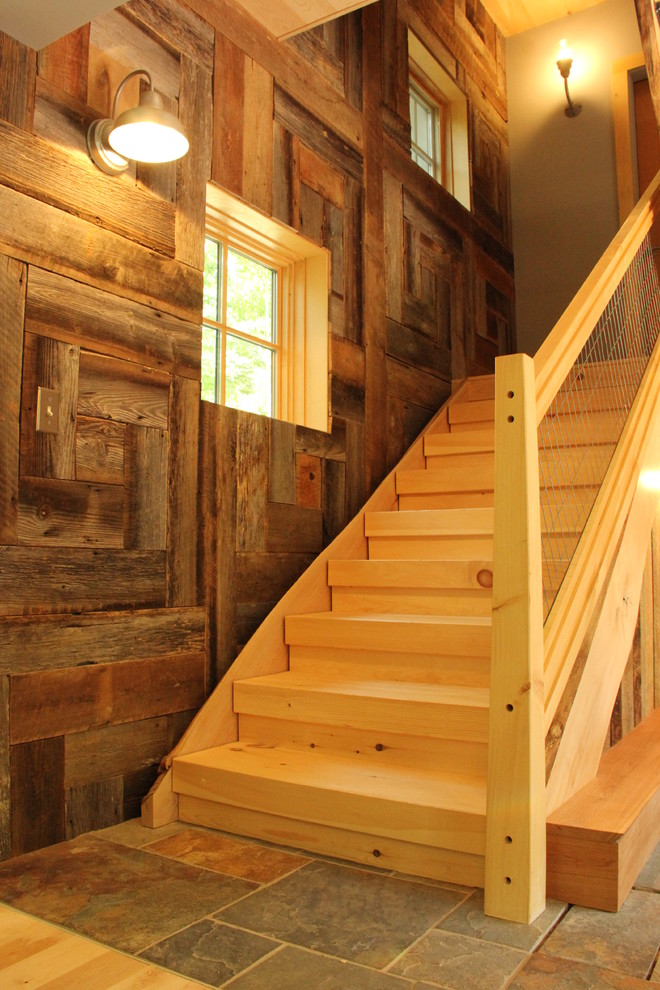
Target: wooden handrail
column 559, row 351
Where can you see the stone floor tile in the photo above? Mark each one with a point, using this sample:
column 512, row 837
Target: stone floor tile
column 210, row 951
column 224, row 854
column 553, row 973
column 469, row 919
column 121, row 896
column 134, row 833
column 344, row 911
column 626, row 941
column 649, row 878
column 298, row 969
column 458, row 962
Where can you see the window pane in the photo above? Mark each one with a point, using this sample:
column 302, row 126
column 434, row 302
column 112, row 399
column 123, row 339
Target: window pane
column 212, row 279
column 249, row 376
column 209, row 363
column 250, row 290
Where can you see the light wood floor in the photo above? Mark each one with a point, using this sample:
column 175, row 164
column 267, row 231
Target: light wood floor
column 35, row 954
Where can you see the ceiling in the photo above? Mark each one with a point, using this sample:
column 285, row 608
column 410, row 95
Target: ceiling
column 37, row 24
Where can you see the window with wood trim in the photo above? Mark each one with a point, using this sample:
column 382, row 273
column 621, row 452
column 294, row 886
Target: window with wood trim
column 265, row 334
column 438, row 122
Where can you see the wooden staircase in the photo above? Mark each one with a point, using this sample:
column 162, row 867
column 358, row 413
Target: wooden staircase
column 373, row 744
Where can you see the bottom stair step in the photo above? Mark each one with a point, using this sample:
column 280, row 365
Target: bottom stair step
column 354, row 794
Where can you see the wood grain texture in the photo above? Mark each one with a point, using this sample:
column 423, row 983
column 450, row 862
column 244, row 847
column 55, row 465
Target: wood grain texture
column 65, row 63
column 12, row 309
column 122, row 391
column 69, row 514
column 145, row 480
column 177, row 26
column 5, row 776
column 37, row 794
column 99, row 451
column 251, row 482
column 194, row 169
column 18, row 65
column 182, row 494
column 257, row 185
column 51, row 364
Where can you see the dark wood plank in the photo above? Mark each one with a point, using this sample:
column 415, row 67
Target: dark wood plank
column 282, row 462
column 228, row 90
column 101, row 754
column 194, row 169
column 327, row 143
column 38, row 579
column 41, row 234
column 100, row 451
column 330, row 446
column 58, row 702
column 51, row 364
column 72, row 311
column 47, row 172
column 251, row 481
column 182, row 586
column 309, row 481
column 122, row 391
column 176, row 25
column 334, row 500
column 37, row 795
column 145, row 520
column 65, row 63
column 293, row 529
column 12, row 308
column 98, row 804
column 46, row 642
column 5, row 791
column 70, row 514
column 18, row 66
column 258, row 137
column 266, row 577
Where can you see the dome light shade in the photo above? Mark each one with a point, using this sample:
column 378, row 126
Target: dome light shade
column 145, row 133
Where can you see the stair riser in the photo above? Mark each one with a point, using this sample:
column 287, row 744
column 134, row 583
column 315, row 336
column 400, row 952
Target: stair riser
column 392, row 749
column 419, row 601
column 447, row 500
column 430, row 548
column 390, row 666
column 395, row 715
column 460, row 831
column 455, row 638
column 372, row 850
column 476, row 472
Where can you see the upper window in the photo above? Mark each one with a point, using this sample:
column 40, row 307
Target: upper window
column 265, row 333
column 438, row 122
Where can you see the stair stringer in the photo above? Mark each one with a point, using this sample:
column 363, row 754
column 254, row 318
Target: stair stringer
column 266, row 652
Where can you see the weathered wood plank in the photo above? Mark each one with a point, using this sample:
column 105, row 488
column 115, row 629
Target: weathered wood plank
column 98, row 804
column 70, row 513
column 122, row 391
column 37, row 794
column 69, row 310
column 266, row 577
column 58, row 702
column 251, row 481
column 334, row 500
column 65, row 63
column 101, row 754
column 100, row 451
column 194, row 169
column 38, row 579
column 46, row 642
column 5, row 794
column 326, row 142
column 119, row 43
column 51, row 364
column 182, row 493
column 316, row 173
column 257, row 185
column 293, row 529
column 18, row 66
column 228, row 89
column 47, row 172
column 175, row 24
column 282, row 462
column 145, row 519
column 309, row 481
column 12, row 308
column 44, row 235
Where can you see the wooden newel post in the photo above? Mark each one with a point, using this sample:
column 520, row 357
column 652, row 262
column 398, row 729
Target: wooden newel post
column 515, row 829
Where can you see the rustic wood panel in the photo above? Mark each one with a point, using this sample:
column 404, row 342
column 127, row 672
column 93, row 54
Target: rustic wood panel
column 46, row 172
column 282, row 462
column 12, row 308
column 46, row 642
column 36, row 579
column 145, row 516
column 65, row 63
column 69, row 514
column 57, row 702
column 228, row 89
column 293, row 529
column 37, row 795
column 309, row 481
column 194, row 169
column 18, row 66
column 5, row 777
column 251, row 481
column 71, row 311
column 122, row 391
column 99, row 451
column 266, row 577
column 123, row 44
column 257, row 186
column 98, row 804
column 177, row 26
column 39, row 233
column 102, row 754
column 182, row 494
column 334, row 500
column 52, row 364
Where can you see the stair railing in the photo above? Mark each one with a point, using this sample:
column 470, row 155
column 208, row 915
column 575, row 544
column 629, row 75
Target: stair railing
column 559, row 516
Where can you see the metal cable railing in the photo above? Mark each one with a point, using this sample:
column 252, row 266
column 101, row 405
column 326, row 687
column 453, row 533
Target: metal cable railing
column 580, row 430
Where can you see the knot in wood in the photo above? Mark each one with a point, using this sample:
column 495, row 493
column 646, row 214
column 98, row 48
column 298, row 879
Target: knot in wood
column 485, row 578
column 44, row 510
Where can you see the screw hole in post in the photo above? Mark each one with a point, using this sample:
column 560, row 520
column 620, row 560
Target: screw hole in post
column 509, row 707
column 508, row 840
column 510, row 419
column 507, row 881
column 510, row 395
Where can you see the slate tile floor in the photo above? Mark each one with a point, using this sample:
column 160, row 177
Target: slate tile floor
column 244, row 915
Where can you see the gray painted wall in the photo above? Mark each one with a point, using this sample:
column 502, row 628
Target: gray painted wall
column 563, row 170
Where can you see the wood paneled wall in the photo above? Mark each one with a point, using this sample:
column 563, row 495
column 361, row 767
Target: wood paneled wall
column 141, row 545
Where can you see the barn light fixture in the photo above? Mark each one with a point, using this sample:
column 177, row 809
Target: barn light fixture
column 565, row 64
column 146, row 133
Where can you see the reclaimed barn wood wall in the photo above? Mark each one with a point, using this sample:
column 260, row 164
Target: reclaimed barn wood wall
column 142, row 544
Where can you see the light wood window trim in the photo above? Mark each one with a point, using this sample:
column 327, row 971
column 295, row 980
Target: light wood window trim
column 304, row 271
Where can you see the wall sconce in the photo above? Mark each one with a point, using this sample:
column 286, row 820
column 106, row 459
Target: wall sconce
column 564, row 64
column 146, row 133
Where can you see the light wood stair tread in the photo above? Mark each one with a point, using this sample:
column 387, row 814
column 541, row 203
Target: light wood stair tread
column 333, row 772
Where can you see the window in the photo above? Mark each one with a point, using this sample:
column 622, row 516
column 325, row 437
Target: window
column 438, row 122
column 265, row 332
